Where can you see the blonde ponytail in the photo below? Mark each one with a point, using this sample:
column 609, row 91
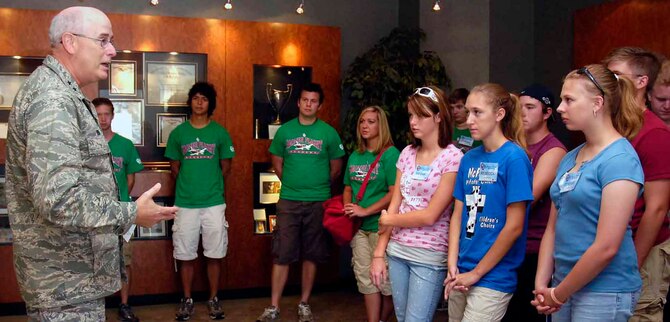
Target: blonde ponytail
column 618, row 94
column 511, row 124
column 627, row 117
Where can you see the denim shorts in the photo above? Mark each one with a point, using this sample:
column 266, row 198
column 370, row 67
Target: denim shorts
column 597, row 307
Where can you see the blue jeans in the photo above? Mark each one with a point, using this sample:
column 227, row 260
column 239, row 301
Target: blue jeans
column 597, row 307
column 417, row 289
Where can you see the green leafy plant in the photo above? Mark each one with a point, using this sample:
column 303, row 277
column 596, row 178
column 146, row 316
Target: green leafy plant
column 386, row 75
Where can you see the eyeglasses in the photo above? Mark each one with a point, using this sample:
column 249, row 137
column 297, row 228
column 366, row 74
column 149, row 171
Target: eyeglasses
column 427, row 92
column 103, row 42
column 585, row 71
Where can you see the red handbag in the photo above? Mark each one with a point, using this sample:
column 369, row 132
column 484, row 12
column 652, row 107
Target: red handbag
column 340, row 226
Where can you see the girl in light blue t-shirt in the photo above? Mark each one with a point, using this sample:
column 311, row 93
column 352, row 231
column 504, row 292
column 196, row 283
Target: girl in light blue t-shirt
column 587, row 251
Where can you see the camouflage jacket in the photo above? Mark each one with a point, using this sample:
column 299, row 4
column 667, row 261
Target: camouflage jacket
column 62, row 196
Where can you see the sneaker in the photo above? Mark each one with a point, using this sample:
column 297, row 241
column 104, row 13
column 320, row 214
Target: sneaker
column 126, row 314
column 270, row 314
column 305, row 313
column 215, row 310
column 185, row 309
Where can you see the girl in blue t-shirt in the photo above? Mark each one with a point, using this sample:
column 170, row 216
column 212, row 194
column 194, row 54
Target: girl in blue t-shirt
column 487, row 235
column 588, row 245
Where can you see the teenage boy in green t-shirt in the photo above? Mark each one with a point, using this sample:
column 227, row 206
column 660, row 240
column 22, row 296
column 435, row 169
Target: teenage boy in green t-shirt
column 126, row 162
column 461, row 136
column 200, row 151
column 306, row 154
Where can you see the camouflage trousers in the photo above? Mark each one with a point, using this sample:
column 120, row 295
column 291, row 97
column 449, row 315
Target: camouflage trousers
column 91, row 311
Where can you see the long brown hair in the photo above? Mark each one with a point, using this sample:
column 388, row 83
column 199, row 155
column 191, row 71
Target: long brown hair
column 384, row 140
column 619, row 97
column 511, row 124
column 425, row 107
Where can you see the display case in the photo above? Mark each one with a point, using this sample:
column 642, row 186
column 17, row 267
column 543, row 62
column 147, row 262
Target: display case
column 266, row 196
column 276, row 92
column 149, row 91
column 6, row 236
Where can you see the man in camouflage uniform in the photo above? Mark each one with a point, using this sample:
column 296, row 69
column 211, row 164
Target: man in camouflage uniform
column 63, row 198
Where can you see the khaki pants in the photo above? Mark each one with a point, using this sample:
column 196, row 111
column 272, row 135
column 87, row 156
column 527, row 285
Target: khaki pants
column 655, row 273
column 479, row 304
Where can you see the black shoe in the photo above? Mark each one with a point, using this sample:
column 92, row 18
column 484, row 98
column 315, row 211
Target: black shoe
column 126, row 314
column 215, row 310
column 185, row 309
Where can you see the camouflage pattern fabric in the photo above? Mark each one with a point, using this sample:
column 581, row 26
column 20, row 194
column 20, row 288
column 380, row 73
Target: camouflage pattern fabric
column 62, row 196
column 92, row 311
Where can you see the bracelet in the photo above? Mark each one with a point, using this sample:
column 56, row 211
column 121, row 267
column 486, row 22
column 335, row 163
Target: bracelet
column 554, row 298
column 378, row 256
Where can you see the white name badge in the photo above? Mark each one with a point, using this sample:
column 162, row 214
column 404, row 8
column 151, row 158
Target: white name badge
column 421, row 173
column 129, row 233
column 466, row 141
column 488, row 172
column 568, row 181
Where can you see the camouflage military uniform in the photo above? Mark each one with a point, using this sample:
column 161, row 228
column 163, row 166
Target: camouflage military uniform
column 62, row 196
column 92, row 311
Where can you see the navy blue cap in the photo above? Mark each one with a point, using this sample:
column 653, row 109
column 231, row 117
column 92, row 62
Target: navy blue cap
column 540, row 93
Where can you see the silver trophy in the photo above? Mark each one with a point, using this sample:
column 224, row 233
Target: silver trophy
column 278, row 99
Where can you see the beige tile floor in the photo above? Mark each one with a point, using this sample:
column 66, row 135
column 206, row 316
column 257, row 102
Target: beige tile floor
column 341, row 306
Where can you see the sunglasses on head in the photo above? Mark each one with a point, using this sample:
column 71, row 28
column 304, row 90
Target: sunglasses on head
column 585, row 71
column 427, row 92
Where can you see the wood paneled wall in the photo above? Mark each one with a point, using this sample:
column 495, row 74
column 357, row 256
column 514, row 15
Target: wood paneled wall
column 232, row 48
column 601, row 28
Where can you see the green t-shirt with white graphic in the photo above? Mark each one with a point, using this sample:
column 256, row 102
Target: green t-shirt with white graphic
column 382, row 176
column 307, row 151
column 463, row 140
column 200, row 151
column 126, row 161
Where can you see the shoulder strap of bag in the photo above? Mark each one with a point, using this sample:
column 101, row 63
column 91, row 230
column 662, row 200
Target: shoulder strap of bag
column 364, row 185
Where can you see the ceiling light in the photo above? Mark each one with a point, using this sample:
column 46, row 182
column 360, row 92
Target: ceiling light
column 228, row 5
column 127, row 51
column 153, row 2
column 174, row 53
column 301, row 8
column 436, row 6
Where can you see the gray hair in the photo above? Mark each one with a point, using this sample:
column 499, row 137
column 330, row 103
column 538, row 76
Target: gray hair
column 72, row 19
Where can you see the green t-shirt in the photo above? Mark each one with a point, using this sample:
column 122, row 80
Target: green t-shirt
column 463, row 140
column 200, row 151
column 382, row 176
column 307, row 151
column 126, row 161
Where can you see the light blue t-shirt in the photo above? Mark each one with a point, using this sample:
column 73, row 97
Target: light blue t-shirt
column 579, row 210
column 487, row 182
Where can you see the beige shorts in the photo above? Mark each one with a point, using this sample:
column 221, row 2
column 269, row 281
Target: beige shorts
column 363, row 247
column 478, row 304
column 655, row 274
column 127, row 253
column 190, row 223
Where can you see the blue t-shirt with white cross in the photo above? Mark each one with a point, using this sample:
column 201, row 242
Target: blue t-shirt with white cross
column 488, row 182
